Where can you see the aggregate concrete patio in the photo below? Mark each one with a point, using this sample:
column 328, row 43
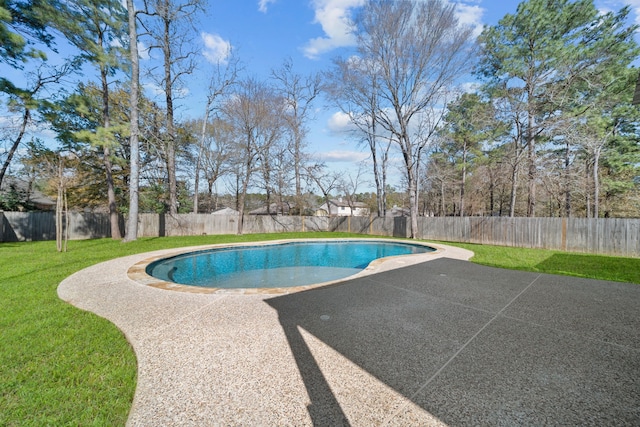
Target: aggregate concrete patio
column 441, row 342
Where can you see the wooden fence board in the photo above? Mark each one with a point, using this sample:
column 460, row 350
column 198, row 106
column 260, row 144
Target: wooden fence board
column 614, row 236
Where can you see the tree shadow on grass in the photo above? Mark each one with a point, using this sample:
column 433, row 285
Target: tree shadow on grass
column 4, row 245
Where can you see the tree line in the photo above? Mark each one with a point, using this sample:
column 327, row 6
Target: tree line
column 551, row 131
column 547, row 128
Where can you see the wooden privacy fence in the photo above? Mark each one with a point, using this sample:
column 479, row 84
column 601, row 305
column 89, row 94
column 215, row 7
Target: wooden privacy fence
column 152, row 225
column 28, row 226
column 613, row 236
column 598, row 236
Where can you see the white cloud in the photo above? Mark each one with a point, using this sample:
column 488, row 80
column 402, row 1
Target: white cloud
column 157, row 92
column 470, row 87
column 46, row 134
column 117, row 43
column 339, row 122
column 143, row 51
column 341, row 156
column 264, row 4
column 635, row 8
column 470, row 14
column 334, row 17
column 606, row 6
column 153, row 89
column 10, row 125
column 216, row 49
column 618, row 4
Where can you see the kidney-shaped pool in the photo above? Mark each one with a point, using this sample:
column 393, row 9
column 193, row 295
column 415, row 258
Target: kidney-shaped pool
column 277, row 265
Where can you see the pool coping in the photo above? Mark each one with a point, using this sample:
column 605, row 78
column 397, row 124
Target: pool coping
column 443, row 342
column 137, row 272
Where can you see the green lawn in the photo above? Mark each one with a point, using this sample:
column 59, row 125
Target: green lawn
column 619, row 269
column 62, row 366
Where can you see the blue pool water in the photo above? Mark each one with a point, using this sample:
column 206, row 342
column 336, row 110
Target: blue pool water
column 278, row 265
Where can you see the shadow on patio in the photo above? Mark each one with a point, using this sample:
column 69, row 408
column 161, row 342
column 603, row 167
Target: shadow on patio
column 466, row 344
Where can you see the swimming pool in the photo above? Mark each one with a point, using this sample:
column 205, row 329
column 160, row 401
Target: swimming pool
column 277, row 265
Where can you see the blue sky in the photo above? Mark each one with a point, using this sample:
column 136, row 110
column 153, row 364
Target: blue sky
column 263, row 33
column 311, row 32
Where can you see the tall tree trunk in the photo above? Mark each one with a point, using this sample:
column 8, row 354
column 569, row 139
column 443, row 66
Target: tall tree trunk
column 587, row 189
column 241, row 198
column 198, row 159
column 412, row 184
column 296, row 168
column 413, row 206
column 111, row 194
column 567, row 182
column 413, row 201
column 62, row 214
column 531, row 200
column 171, row 139
column 464, row 178
column 596, row 183
column 210, row 193
column 385, row 160
column 14, row 147
column 327, row 199
column 442, row 199
column 106, row 152
column 377, row 180
column 491, row 195
column 514, row 189
column 134, row 143
column 243, row 194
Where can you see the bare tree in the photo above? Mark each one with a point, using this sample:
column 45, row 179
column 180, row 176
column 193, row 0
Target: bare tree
column 25, row 101
column 215, row 154
column 593, row 139
column 275, row 171
column 62, row 207
column 420, row 49
column 439, row 180
column 349, row 183
column 298, row 93
column 170, row 30
column 223, row 77
column 254, row 112
column 325, row 180
column 282, row 179
column 58, row 171
column 353, row 85
column 134, row 143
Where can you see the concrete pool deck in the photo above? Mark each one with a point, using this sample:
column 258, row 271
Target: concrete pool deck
column 443, row 342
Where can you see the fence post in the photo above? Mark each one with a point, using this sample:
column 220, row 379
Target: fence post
column 611, row 236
